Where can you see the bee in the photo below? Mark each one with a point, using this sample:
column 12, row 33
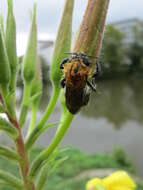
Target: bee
column 77, row 70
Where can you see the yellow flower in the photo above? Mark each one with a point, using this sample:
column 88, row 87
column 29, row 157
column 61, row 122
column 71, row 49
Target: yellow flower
column 119, row 180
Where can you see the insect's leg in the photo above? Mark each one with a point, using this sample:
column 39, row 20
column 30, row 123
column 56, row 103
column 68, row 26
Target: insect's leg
column 91, row 85
column 96, row 74
column 86, row 96
column 97, row 70
column 63, row 62
column 63, row 82
column 86, row 61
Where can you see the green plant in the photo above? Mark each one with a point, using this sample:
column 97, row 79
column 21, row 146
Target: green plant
column 34, row 175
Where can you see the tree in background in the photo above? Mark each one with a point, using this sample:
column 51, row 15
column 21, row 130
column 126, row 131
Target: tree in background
column 113, row 48
column 135, row 49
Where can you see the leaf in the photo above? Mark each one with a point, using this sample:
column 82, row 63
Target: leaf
column 36, row 133
column 10, row 179
column 49, row 167
column 8, row 128
column 8, row 153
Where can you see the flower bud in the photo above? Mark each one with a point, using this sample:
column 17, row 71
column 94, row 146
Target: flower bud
column 4, row 63
column 63, row 42
column 36, row 87
column 11, row 44
column 30, row 58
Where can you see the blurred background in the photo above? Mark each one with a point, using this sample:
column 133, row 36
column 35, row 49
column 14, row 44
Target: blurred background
column 114, row 115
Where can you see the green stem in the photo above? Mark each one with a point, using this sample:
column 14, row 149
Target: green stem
column 33, row 119
column 55, row 142
column 41, row 124
column 50, row 107
column 25, row 104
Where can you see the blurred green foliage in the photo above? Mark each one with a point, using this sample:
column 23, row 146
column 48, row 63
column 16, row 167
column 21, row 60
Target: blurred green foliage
column 113, row 48
column 135, row 49
column 119, row 56
column 65, row 175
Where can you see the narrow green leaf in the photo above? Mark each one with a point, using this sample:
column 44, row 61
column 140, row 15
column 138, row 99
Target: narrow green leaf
column 50, row 166
column 6, row 184
column 43, row 174
column 8, row 153
column 10, row 179
column 11, row 44
column 8, row 128
column 33, row 136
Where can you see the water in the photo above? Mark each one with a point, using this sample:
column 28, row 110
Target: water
column 113, row 117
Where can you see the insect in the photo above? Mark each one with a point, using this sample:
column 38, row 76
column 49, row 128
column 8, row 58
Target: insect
column 77, row 69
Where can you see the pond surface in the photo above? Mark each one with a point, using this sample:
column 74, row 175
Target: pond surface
column 113, row 117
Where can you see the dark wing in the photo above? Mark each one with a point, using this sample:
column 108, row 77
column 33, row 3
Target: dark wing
column 76, row 98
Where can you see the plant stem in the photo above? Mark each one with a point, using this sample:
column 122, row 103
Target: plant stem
column 33, row 119
column 64, row 125
column 24, row 160
column 50, row 107
column 92, row 27
column 24, row 107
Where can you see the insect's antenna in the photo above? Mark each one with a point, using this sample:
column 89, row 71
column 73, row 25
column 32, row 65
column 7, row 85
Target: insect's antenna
column 71, row 53
column 90, row 56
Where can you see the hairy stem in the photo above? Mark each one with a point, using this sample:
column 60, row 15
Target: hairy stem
column 92, row 27
column 24, row 160
column 25, row 104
